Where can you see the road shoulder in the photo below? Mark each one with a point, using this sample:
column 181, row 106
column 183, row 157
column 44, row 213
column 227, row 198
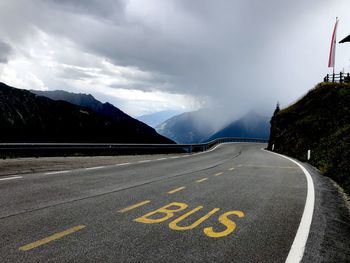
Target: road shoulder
column 328, row 239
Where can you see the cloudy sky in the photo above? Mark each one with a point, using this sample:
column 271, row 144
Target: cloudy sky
column 151, row 55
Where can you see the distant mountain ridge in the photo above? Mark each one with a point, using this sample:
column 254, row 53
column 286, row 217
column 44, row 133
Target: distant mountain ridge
column 251, row 125
column 86, row 100
column 154, row 119
column 28, row 117
column 196, row 127
column 187, row 127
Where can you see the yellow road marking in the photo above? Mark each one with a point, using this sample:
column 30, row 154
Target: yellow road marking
column 223, row 219
column 51, row 238
column 201, row 180
column 126, row 209
column 218, row 174
column 231, row 169
column 173, row 225
column 168, row 211
column 176, row 190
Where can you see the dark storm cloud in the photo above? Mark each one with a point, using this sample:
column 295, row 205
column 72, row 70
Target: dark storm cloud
column 5, row 51
column 106, row 9
column 239, row 53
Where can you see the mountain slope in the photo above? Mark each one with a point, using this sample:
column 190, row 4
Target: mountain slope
column 90, row 102
column 27, row 117
column 154, row 119
column 189, row 127
column 320, row 121
column 251, row 125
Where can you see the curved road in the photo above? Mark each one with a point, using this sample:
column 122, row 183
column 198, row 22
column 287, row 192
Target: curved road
column 235, row 203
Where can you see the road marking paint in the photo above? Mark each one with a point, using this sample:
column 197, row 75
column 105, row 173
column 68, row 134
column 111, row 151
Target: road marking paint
column 126, row 209
column 231, row 169
column 223, row 219
column 160, row 159
column 173, row 225
column 121, row 164
column 95, row 168
column 296, row 252
column 176, row 190
column 268, row 166
column 239, row 165
column 11, row 178
column 58, row 172
column 201, row 180
column 215, row 147
column 218, row 174
column 144, row 161
column 175, row 157
column 168, row 211
column 51, row 238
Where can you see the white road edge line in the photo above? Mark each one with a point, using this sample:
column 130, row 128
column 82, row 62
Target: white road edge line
column 95, row 168
column 296, row 252
column 58, row 172
column 220, row 144
column 121, row 164
column 11, row 178
column 144, row 161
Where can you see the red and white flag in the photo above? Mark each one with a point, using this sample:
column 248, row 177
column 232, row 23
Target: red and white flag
column 331, row 60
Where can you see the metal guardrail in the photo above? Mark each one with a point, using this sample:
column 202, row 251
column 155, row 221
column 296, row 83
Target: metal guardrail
column 69, row 149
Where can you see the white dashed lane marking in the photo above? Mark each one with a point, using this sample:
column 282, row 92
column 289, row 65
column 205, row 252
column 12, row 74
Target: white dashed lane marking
column 11, row 178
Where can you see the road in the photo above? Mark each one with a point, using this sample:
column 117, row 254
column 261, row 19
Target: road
column 236, row 203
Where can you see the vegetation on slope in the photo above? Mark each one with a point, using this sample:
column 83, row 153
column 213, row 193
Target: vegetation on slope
column 320, row 121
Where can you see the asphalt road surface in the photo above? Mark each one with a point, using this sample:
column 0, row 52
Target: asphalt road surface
column 236, row 203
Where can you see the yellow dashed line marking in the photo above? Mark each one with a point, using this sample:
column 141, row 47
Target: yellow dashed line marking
column 176, row 190
column 126, row 209
column 231, row 169
column 218, row 174
column 51, row 238
column 201, row 180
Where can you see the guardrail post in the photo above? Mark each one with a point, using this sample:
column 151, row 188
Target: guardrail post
column 190, row 149
column 326, row 78
column 341, row 77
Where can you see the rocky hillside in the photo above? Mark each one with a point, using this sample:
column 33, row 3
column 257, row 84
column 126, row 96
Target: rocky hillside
column 320, row 121
column 27, row 117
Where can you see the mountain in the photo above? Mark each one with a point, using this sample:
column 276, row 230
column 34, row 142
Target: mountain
column 154, row 119
column 188, row 127
column 28, row 117
column 251, row 125
column 87, row 101
column 319, row 122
